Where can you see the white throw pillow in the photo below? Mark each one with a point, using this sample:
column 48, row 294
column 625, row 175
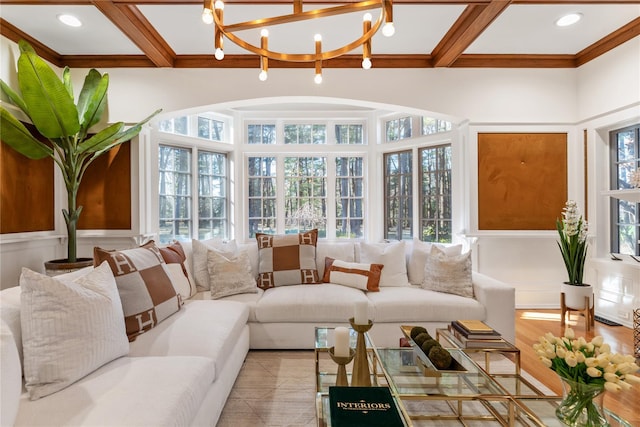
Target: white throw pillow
column 448, row 273
column 70, row 327
column 419, row 255
column 200, row 248
column 391, row 256
column 230, row 276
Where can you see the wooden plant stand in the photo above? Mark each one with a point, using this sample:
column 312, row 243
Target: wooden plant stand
column 588, row 312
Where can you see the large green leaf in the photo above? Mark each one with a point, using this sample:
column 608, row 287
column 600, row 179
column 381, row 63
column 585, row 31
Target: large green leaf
column 102, row 139
column 50, row 107
column 17, row 136
column 93, row 99
column 66, row 79
column 14, row 97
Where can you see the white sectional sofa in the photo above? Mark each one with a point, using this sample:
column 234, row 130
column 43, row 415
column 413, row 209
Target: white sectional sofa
column 181, row 372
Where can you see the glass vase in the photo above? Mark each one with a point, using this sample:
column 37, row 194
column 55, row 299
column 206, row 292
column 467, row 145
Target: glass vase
column 581, row 404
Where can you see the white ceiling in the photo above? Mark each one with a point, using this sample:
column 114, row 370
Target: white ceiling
column 520, row 29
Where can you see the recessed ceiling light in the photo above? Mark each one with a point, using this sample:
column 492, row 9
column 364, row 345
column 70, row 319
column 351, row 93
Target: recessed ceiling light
column 69, row 20
column 568, row 19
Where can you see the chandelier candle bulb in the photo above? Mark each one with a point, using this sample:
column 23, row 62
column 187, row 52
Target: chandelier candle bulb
column 361, row 313
column 341, row 348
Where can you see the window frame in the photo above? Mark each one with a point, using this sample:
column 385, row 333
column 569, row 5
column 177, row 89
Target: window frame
column 614, row 206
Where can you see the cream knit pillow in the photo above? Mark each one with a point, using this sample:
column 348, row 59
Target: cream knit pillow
column 448, row 273
column 70, row 327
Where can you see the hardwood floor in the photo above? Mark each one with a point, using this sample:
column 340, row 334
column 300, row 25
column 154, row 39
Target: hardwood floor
column 531, row 324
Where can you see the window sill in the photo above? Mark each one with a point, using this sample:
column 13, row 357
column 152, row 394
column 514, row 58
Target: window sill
column 630, row 195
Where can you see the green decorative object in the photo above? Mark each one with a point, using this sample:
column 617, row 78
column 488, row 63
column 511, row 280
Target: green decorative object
column 581, row 404
column 48, row 102
column 572, row 230
column 417, row 330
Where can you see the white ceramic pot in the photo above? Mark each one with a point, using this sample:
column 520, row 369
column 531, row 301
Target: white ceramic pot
column 574, row 296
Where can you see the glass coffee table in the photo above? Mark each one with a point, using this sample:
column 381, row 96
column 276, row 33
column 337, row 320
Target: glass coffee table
column 468, row 395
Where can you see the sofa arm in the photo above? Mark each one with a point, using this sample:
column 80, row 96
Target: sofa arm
column 499, row 301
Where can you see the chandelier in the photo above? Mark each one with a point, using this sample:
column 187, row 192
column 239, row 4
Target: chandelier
column 213, row 13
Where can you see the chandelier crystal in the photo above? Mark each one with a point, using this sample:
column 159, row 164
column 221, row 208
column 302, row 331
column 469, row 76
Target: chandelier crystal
column 213, row 13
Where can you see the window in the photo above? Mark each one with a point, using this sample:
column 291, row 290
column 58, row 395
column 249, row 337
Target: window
column 349, row 197
column 435, row 194
column 431, row 126
column 398, row 189
column 625, row 157
column 349, row 134
column 305, row 188
column 212, row 195
column 175, row 193
column 305, row 134
column 210, row 129
column 398, row 129
column 262, row 195
column 261, row 134
column 177, row 125
column 176, row 201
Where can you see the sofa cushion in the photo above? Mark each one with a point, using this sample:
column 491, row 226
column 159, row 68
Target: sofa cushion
column 344, row 251
column 230, row 275
column 10, row 379
column 392, row 256
column 132, row 392
column 300, row 303
column 202, row 328
column 418, row 258
column 199, row 257
column 10, row 314
column 69, row 327
column 147, row 294
column 173, row 254
column 250, row 300
column 287, row 259
column 448, row 273
column 365, row 277
column 414, row 304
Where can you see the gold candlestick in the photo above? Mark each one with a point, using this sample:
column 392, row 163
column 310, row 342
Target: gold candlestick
column 342, row 361
column 360, row 377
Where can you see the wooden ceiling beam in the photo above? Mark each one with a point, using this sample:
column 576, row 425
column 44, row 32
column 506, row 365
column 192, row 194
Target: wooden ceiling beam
column 466, row 29
column 514, row 61
column 139, row 30
column 15, row 34
column 604, row 45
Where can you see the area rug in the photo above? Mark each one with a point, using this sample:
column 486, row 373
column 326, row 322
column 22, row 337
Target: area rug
column 278, row 388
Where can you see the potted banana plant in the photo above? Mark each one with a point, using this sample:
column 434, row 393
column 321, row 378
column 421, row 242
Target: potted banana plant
column 48, row 103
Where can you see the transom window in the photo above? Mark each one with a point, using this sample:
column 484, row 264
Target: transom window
column 397, row 129
column 625, row 159
column 305, row 134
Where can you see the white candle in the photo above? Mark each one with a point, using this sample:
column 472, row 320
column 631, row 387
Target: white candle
column 341, row 347
column 361, row 316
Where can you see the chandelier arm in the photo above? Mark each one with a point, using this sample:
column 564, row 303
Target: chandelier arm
column 303, row 16
column 303, row 57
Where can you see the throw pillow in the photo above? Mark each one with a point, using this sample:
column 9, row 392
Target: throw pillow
column 173, row 255
column 419, row 255
column 230, row 276
column 70, row 327
column 353, row 274
column 200, row 248
column 288, row 259
column 392, row 256
column 147, row 294
column 448, row 273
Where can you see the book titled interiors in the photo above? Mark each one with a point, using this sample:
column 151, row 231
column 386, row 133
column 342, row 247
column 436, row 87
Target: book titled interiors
column 363, row 407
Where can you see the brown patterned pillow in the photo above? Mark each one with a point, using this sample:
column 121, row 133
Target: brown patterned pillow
column 361, row 276
column 288, row 259
column 174, row 254
column 146, row 292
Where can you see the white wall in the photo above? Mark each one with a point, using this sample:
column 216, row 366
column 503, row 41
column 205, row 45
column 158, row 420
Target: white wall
column 529, row 100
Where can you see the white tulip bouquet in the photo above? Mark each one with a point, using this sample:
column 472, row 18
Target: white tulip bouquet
column 589, row 368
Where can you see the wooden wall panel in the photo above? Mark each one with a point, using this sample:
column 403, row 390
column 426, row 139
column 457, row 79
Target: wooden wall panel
column 26, row 193
column 105, row 192
column 522, row 180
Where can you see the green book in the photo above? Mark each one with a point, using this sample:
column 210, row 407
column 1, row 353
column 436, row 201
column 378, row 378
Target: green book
column 363, row 407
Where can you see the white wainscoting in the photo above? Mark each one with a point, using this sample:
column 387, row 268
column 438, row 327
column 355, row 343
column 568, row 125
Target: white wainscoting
column 617, row 289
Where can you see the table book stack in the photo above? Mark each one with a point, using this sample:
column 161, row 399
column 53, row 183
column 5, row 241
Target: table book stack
column 476, row 334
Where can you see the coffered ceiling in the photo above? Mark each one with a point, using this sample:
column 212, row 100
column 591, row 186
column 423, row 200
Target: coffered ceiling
column 429, row 33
